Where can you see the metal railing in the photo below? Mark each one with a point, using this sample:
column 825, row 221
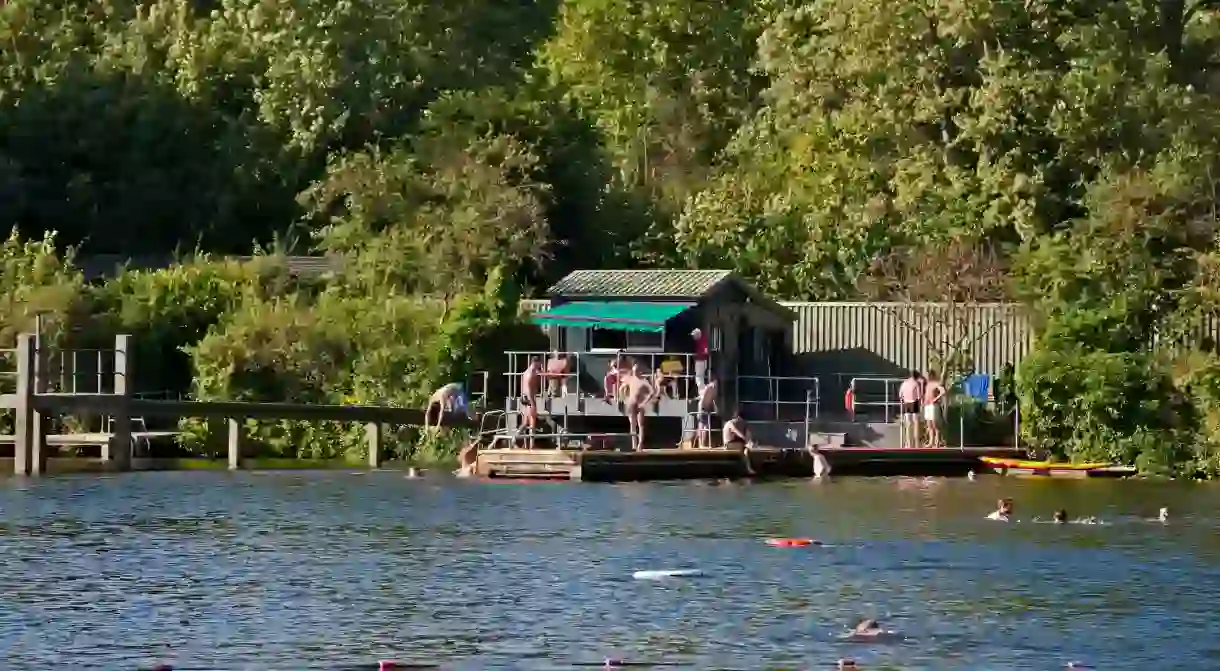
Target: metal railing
column 701, row 435
column 75, row 371
column 865, row 394
column 781, row 392
column 476, row 389
column 677, row 367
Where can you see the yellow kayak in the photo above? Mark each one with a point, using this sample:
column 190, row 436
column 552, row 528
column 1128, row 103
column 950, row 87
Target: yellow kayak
column 998, row 462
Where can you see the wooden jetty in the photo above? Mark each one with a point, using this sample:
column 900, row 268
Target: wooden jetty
column 600, row 465
column 35, row 404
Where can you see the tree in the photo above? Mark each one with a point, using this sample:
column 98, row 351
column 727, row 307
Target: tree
column 935, row 291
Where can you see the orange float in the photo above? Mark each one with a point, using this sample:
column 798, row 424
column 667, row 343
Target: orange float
column 791, row 542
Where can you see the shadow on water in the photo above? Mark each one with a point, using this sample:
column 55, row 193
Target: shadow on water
column 301, row 571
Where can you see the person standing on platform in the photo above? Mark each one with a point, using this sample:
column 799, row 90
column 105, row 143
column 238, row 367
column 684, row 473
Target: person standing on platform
column 557, row 374
column 909, row 393
column 704, row 412
column 701, row 357
column 531, row 389
column 933, row 400
column 640, row 393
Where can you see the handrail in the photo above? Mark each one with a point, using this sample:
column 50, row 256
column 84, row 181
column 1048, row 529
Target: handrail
column 812, row 395
column 516, row 368
column 886, row 404
column 695, row 430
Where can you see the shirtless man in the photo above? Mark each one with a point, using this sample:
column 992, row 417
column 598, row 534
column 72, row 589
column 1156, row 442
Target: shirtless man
column 639, row 394
column 446, row 399
column 557, row 374
column 705, row 409
column 468, row 459
column 909, row 393
column 531, row 388
column 736, row 435
column 933, row 400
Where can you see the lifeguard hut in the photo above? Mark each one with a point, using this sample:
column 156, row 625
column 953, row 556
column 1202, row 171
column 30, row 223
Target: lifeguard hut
column 601, row 320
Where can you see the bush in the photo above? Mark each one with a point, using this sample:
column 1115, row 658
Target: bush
column 170, row 309
column 1101, row 406
column 343, row 349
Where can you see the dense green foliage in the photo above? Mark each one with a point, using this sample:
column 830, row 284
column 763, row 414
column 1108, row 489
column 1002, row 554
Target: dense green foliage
column 453, row 154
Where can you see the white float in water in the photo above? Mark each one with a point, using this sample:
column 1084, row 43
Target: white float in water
column 668, row 573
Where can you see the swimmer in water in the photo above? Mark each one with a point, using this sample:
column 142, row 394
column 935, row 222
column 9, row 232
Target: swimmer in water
column 1061, row 516
column 1163, row 516
column 868, row 630
column 1002, row 512
column 468, row 459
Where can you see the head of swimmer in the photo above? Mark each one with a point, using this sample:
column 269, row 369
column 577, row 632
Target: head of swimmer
column 865, row 626
column 1004, row 506
column 1061, row 516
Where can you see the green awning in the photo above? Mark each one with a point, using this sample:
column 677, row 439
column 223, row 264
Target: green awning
column 615, row 315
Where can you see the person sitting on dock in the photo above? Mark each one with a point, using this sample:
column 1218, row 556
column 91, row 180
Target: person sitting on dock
column 736, row 434
column 909, row 394
column 448, row 398
column 704, row 412
column 1003, row 511
column 639, row 394
column 557, row 374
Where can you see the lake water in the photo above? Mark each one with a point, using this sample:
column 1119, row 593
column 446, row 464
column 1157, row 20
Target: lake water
column 326, row 570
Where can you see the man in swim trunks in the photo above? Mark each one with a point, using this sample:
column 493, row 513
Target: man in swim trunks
column 736, row 434
column 909, row 394
column 531, row 388
column 639, row 394
column 557, row 374
column 446, row 399
column 933, row 398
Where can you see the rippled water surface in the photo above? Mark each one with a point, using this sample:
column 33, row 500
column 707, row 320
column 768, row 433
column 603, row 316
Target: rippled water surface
column 298, row 571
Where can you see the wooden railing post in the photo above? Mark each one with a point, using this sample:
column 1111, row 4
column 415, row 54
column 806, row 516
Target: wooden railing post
column 234, row 443
column 118, row 450
column 372, row 438
column 29, row 447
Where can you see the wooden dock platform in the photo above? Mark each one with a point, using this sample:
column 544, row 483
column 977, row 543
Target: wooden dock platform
column 693, row 464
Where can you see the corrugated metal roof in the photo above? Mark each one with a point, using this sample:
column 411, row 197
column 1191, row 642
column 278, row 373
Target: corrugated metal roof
column 690, row 284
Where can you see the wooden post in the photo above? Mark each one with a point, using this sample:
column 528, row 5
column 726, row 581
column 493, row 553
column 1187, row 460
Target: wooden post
column 120, row 442
column 234, row 443
column 27, row 427
column 372, row 439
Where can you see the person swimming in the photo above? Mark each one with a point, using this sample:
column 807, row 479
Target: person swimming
column 1003, row 511
column 1061, row 516
column 868, row 630
column 1163, row 516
